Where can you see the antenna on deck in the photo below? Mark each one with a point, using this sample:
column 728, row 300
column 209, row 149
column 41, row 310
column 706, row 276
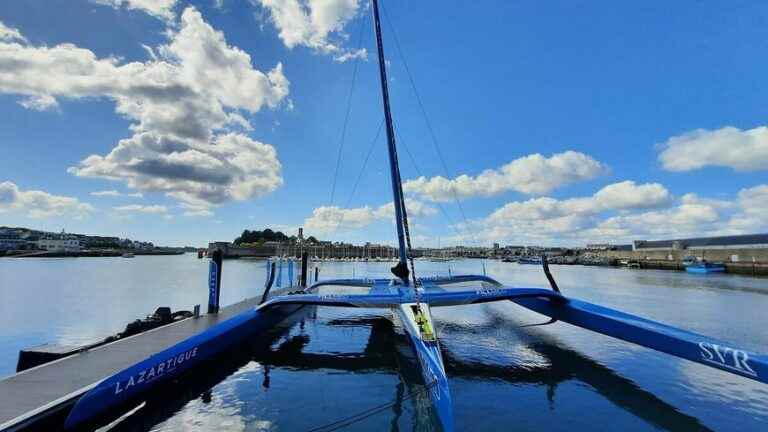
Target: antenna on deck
column 545, row 265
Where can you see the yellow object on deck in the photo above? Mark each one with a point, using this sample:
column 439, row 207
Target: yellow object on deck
column 425, row 326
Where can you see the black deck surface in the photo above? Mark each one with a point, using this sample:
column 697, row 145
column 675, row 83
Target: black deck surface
column 35, row 390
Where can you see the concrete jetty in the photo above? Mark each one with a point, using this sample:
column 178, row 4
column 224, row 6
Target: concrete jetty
column 31, row 396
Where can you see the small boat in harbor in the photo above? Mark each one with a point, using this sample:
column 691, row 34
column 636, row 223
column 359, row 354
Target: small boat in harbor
column 689, row 260
column 704, row 267
column 128, row 255
column 530, row 260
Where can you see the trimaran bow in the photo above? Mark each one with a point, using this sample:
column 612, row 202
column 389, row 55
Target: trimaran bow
column 412, row 298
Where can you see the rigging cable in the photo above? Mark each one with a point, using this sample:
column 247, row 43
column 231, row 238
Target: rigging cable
column 360, row 33
column 355, row 418
column 359, row 176
column 427, row 121
column 349, row 109
column 439, row 205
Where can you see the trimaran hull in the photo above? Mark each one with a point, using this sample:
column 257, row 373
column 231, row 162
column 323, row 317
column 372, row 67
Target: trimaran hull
column 610, row 322
column 430, row 360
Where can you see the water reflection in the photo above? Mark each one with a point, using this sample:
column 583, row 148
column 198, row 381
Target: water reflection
column 387, row 350
column 344, row 362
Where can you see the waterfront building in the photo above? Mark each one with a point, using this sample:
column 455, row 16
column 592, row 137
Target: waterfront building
column 59, row 244
column 749, row 248
column 12, row 241
column 751, row 241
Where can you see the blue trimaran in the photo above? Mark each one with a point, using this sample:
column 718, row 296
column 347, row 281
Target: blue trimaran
column 411, row 298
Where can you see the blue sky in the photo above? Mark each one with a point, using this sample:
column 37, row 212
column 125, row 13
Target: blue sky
column 183, row 122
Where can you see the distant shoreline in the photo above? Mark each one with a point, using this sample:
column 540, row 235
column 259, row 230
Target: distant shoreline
column 88, row 253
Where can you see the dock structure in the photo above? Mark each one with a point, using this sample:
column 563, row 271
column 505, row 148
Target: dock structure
column 51, row 389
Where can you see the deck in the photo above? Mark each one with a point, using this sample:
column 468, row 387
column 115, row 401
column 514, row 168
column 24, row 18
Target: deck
column 48, row 388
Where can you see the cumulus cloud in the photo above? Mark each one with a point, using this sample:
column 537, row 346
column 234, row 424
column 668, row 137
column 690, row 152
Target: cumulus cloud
column 415, row 209
column 574, row 212
column 162, row 9
column 684, row 220
column 10, row 33
column 114, row 193
column 137, row 208
column 186, row 105
column 199, row 174
column 623, row 212
column 753, row 216
column 316, row 24
column 533, row 174
column 38, row 204
column 742, row 150
column 329, row 218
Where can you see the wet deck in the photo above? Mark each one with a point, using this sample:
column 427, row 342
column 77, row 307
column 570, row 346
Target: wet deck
column 52, row 386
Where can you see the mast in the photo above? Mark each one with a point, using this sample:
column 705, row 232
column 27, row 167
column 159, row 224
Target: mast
column 401, row 269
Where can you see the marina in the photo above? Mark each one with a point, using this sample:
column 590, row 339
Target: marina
column 169, row 350
column 640, row 383
column 362, row 324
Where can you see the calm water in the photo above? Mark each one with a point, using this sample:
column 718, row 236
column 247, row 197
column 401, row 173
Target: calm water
column 340, row 362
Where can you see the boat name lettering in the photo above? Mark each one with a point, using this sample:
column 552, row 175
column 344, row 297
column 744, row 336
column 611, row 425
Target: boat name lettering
column 487, row 292
column 155, row 371
column 730, row 358
column 332, row 296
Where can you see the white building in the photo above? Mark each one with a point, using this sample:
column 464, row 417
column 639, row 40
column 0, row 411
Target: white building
column 59, row 245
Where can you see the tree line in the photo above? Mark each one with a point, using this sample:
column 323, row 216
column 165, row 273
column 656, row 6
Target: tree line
column 267, row 235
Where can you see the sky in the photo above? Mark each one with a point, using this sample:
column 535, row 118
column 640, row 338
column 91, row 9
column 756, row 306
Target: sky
column 518, row 122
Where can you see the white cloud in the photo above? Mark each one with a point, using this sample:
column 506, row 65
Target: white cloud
column 198, row 174
column 114, row 193
column 179, row 101
column 415, row 209
column 162, row 9
column 753, row 216
column 39, row 102
column 10, row 33
column 628, row 195
column 742, row 150
column 198, row 213
column 622, row 212
column 329, row 218
column 684, row 220
column 532, row 174
column 137, row 208
column 38, row 204
column 551, row 215
column 317, row 24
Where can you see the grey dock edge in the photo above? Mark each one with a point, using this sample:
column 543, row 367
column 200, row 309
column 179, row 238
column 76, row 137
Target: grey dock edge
column 42, row 391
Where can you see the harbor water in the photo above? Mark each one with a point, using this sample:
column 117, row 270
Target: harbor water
column 505, row 373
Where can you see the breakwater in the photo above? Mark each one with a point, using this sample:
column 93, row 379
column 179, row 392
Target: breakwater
column 744, row 268
column 747, row 261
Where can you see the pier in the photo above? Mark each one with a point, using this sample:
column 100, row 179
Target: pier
column 50, row 390
column 77, row 389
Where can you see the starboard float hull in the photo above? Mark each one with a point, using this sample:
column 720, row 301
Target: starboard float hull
column 131, row 383
column 651, row 334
